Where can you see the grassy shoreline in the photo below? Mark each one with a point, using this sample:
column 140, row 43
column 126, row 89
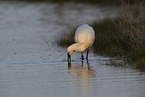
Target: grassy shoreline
column 121, row 36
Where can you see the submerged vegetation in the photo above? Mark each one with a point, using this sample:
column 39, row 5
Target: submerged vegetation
column 121, row 36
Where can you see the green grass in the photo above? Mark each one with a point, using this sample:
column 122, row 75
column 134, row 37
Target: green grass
column 121, row 36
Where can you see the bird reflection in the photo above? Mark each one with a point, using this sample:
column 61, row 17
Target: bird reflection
column 82, row 61
column 83, row 75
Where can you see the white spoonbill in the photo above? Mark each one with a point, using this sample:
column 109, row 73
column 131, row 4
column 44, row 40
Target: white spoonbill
column 84, row 38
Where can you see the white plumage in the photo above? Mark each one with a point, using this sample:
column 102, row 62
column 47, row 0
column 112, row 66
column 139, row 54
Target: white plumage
column 84, row 38
column 85, row 34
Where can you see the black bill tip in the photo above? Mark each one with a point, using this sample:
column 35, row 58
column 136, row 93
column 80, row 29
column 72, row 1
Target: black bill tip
column 69, row 58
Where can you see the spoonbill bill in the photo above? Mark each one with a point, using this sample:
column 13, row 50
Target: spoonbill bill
column 84, row 38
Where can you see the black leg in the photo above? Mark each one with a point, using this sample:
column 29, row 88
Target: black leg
column 82, row 56
column 69, row 62
column 87, row 54
column 88, row 64
column 69, row 65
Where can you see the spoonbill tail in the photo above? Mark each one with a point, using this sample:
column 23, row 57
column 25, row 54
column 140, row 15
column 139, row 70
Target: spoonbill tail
column 84, row 38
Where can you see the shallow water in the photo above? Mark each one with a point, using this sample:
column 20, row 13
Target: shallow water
column 32, row 65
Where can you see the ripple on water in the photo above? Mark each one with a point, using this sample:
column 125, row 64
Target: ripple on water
column 32, row 65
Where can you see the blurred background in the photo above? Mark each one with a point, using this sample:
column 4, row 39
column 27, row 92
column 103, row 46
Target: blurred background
column 82, row 1
column 34, row 35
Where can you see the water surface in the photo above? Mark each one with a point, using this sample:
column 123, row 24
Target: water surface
column 32, row 65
